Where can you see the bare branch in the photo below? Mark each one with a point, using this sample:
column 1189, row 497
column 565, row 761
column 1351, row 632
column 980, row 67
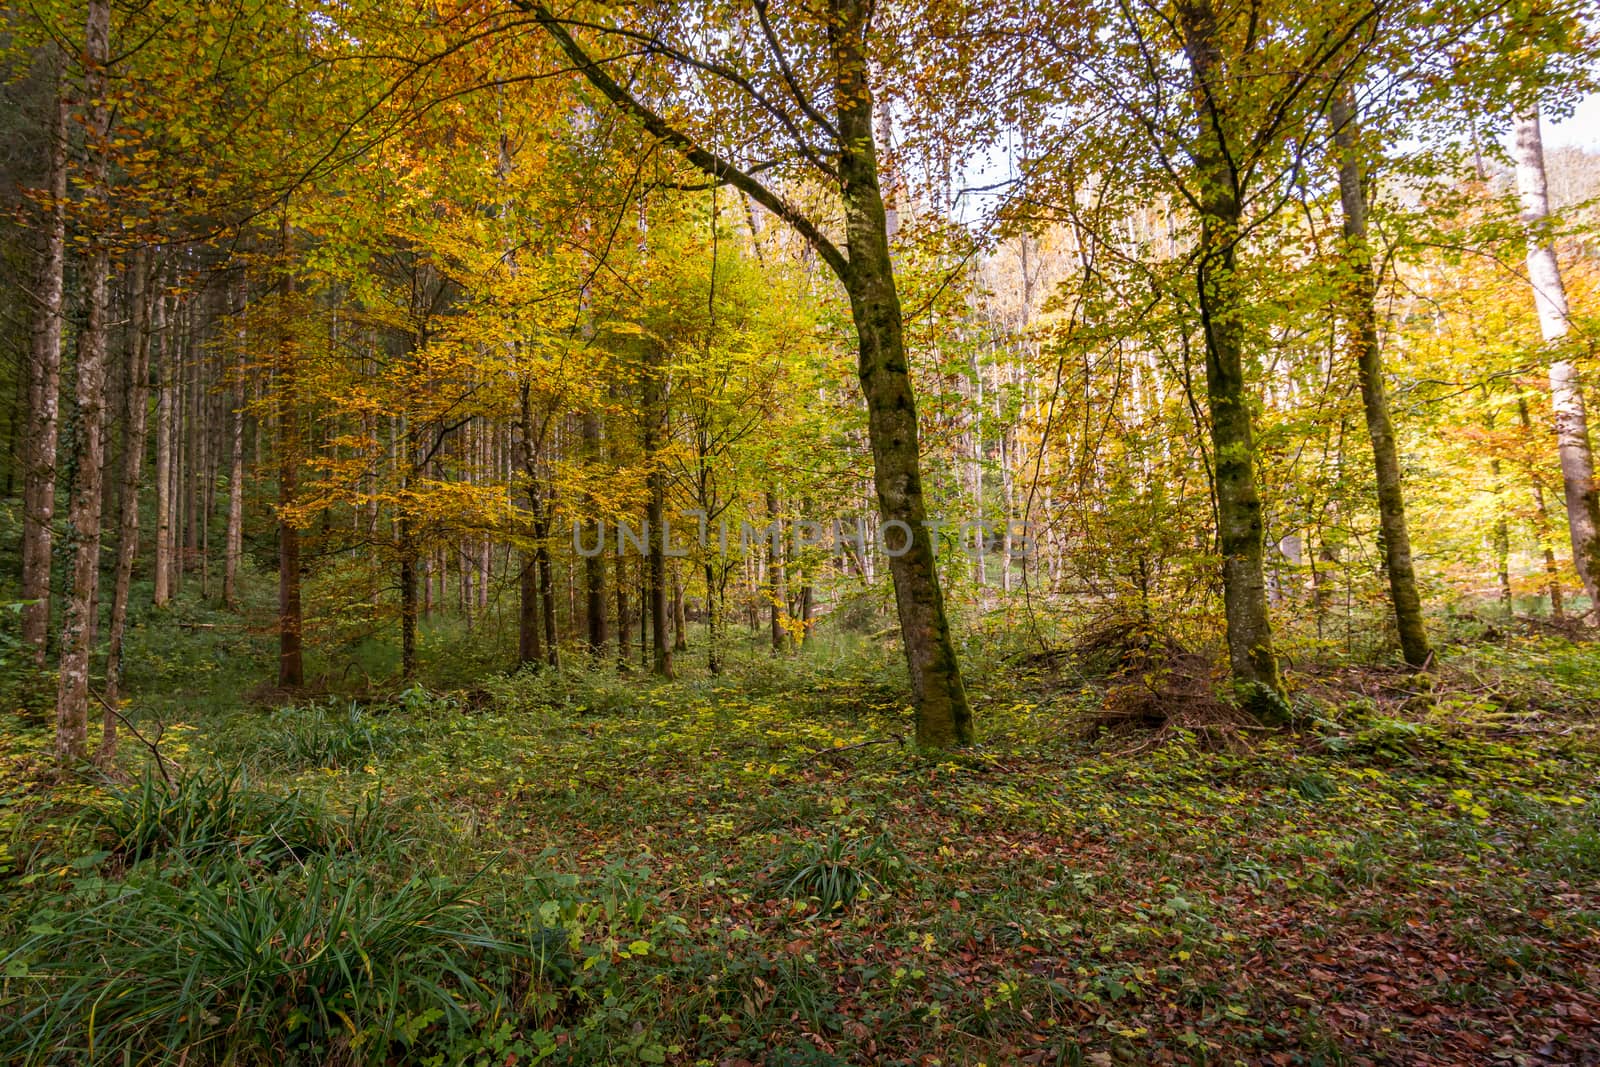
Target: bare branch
column 709, row 162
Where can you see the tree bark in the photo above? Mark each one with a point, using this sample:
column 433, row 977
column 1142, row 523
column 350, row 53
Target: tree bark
column 233, row 553
column 774, row 592
column 408, row 596
column 291, row 666
column 44, row 393
column 680, row 624
column 83, row 523
column 1541, row 522
column 136, row 417
column 1566, row 388
column 529, row 650
column 714, row 591
column 1240, row 528
column 162, row 567
column 594, row 566
column 655, row 513
column 547, row 591
column 1360, row 300
column 944, row 718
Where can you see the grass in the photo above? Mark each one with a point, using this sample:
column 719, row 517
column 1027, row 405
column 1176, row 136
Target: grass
column 572, row 867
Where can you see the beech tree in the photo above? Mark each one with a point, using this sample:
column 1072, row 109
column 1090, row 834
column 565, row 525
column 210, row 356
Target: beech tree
column 839, row 149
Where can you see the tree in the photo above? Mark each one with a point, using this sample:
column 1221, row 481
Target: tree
column 838, row 44
column 1361, row 288
column 44, row 386
column 1566, row 386
column 83, row 521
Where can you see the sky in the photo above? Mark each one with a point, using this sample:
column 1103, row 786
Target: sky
column 1582, row 130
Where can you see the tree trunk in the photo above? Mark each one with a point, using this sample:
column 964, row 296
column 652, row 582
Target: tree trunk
column 1240, row 529
column 529, row 652
column 713, row 617
column 680, row 623
column 83, row 524
column 1566, row 390
column 943, row 716
column 44, row 394
column 775, row 593
column 594, row 566
column 624, row 617
column 1500, row 540
column 408, row 597
column 162, row 572
column 655, row 526
column 1361, row 298
column 136, row 418
column 291, row 667
column 1541, row 522
column 233, row 553
column 547, row 593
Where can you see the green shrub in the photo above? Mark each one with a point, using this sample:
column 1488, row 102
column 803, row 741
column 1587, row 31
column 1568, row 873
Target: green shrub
column 837, row 870
column 313, row 964
column 202, row 814
column 335, row 738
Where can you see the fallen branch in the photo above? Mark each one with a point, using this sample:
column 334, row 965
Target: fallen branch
column 899, row 739
column 153, row 746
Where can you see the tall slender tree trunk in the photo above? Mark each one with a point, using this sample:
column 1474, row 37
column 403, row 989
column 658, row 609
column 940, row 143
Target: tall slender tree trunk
column 937, row 691
column 680, row 623
column 1240, row 528
column 44, row 392
column 136, row 419
column 624, row 616
column 1500, row 539
column 180, row 407
column 193, row 445
column 529, row 650
column 775, row 593
column 713, row 616
column 1566, row 388
column 233, row 553
column 291, row 666
column 655, row 514
column 162, row 565
column 594, row 566
column 1541, row 520
column 1360, row 305
column 547, row 595
column 408, row 596
column 83, row 524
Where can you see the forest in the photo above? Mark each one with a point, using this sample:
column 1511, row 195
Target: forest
column 790, row 533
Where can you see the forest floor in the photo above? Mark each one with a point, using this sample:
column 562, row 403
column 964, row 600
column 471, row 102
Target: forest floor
column 753, row 869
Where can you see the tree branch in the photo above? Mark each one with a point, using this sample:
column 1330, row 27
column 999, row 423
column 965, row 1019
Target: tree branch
column 707, row 161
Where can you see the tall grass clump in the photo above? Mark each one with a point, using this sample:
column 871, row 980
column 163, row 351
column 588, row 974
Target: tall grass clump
column 313, row 964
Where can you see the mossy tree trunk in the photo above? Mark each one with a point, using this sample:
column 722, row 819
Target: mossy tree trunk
column 1360, row 292
column 1222, row 312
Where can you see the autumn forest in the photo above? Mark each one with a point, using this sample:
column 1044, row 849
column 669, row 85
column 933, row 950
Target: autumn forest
column 799, row 532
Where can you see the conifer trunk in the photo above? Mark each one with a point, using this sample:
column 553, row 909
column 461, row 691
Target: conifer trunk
column 83, row 523
column 162, row 564
column 136, row 416
column 291, row 667
column 44, row 393
column 233, row 552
